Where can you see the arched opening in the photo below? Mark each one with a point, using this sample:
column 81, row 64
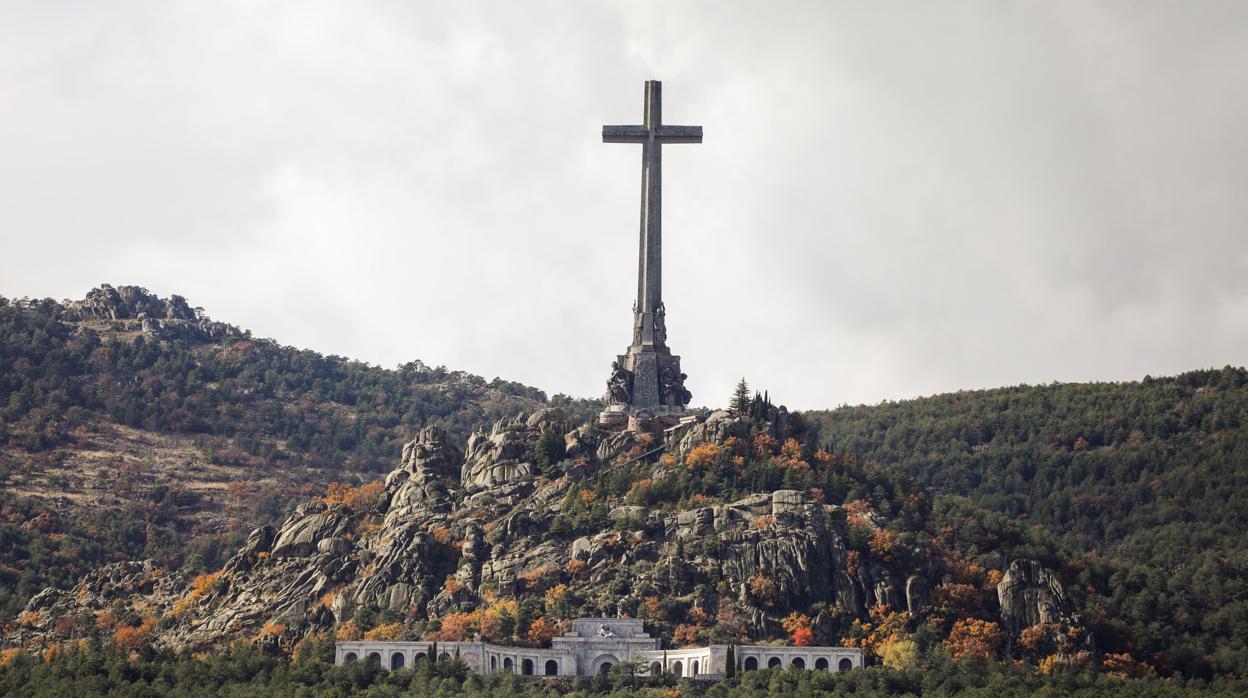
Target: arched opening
column 603, row 662
column 677, row 669
column 444, row 657
column 751, row 663
column 844, row 665
column 656, row 669
column 526, row 667
column 419, row 656
column 350, row 657
column 552, row 667
column 493, row 663
column 693, row 668
column 396, row 661
column 774, row 662
column 821, row 664
column 799, row 663
column 507, row 665
column 374, row 657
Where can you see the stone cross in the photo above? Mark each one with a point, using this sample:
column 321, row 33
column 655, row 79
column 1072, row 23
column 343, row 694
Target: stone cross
column 651, row 135
column 646, row 382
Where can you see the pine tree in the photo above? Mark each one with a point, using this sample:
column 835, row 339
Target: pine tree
column 730, row 662
column 741, row 399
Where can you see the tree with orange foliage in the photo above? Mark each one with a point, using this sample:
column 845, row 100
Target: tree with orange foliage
column 885, row 544
column 856, row 513
column 703, row 456
column 385, row 633
column 457, row 627
column 538, row 577
column 348, row 632
column 795, row 621
column 541, row 631
column 134, row 637
column 362, row 498
column 1037, row 640
column 874, row 636
column 556, row 600
column 763, row 588
column 652, row 609
column 1124, row 666
column 687, row 633
column 764, row 445
column 972, row 638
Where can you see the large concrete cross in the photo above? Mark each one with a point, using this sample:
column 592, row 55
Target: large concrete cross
column 651, row 135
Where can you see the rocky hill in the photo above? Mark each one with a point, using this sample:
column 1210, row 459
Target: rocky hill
column 538, row 520
column 134, row 426
column 170, row 480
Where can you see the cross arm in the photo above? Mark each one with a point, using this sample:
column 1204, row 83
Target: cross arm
column 625, row 134
column 679, row 134
column 641, row 134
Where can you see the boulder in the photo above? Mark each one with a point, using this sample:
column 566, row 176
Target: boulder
column 1031, row 594
column 431, row 455
column 259, row 541
column 334, row 546
column 300, row 536
column 716, row 428
column 502, row 456
column 785, row 502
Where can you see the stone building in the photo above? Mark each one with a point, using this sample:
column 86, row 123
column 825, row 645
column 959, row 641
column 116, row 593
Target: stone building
column 594, row 645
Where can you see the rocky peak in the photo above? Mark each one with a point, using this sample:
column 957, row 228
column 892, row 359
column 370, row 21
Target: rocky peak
column 129, row 303
column 504, row 455
column 134, row 307
column 424, row 481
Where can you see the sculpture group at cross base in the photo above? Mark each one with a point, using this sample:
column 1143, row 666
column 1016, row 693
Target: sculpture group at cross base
column 672, row 386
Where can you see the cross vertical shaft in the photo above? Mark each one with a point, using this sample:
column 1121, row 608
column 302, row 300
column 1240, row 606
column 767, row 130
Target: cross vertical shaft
column 651, row 134
column 650, row 263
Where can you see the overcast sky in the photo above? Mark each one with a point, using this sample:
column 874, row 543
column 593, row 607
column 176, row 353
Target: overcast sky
column 891, row 200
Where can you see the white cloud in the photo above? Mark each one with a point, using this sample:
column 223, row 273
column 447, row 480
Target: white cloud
column 891, row 199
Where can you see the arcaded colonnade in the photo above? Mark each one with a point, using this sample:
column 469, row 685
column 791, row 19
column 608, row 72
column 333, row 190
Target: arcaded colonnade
column 593, row 646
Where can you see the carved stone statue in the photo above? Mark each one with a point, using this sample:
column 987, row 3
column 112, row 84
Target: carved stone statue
column 660, row 325
column 604, row 631
column 620, row 384
column 673, row 386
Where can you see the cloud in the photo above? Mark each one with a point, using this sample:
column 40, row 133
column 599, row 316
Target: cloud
column 891, row 199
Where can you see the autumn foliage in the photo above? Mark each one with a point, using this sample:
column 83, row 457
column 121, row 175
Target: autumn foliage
column 797, row 625
column 703, row 456
column 541, row 631
column 386, row 632
column 357, row 498
column 200, row 586
column 134, row 637
column 972, row 638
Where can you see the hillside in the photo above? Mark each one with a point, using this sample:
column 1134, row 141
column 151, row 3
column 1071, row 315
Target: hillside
column 133, row 426
column 178, row 484
column 722, row 529
column 1146, row 479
